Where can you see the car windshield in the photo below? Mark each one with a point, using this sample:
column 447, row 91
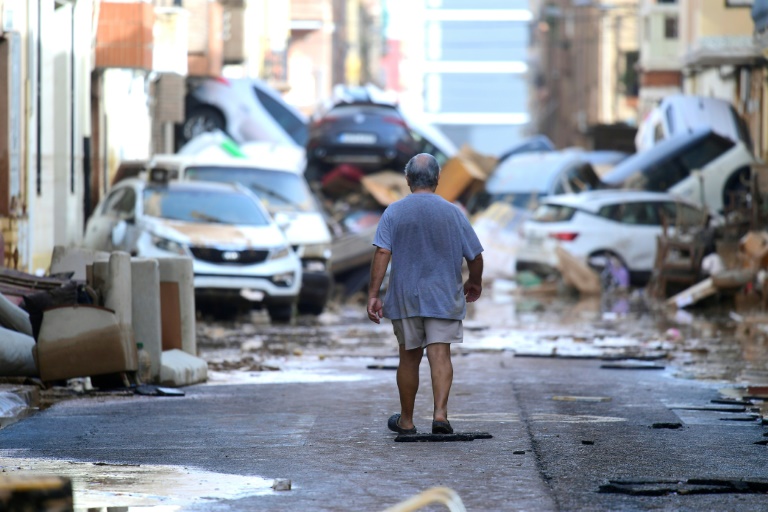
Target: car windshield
column 295, row 127
column 203, row 206
column 278, row 190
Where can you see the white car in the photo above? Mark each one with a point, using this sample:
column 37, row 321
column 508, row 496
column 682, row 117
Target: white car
column 701, row 166
column 683, row 113
column 239, row 253
column 274, row 173
column 597, row 224
column 246, row 109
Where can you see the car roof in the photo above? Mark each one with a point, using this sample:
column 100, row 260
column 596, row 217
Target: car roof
column 535, row 143
column 259, row 155
column 593, row 200
column 599, row 156
column 657, row 153
column 533, row 171
column 176, row 185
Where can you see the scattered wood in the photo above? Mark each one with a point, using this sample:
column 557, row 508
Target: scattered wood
column 694, row 294
column 577, row 273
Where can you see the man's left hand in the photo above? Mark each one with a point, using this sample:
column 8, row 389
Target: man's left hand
column 472, row 291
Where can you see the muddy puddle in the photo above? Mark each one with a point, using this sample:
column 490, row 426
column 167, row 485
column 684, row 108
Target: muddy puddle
column 145, row 487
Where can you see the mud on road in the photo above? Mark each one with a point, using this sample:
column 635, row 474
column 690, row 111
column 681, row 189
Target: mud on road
column 715, row 343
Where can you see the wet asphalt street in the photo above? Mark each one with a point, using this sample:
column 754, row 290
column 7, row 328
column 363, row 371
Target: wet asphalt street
column 591, row 407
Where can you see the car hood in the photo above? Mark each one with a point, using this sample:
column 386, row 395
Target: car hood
column 217, row 235
column 304, row 227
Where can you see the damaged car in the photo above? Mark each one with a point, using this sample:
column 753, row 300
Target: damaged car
column 240, row 255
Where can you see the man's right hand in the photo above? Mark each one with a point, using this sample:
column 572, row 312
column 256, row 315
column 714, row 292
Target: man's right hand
column 375, row 312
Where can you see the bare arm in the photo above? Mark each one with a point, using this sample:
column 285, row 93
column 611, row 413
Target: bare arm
column 378, row 271
column 474, row 285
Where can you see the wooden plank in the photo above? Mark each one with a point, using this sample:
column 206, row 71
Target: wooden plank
column 694, row 294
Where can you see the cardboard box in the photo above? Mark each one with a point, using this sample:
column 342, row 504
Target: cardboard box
column 467, row 170
column 754, row 246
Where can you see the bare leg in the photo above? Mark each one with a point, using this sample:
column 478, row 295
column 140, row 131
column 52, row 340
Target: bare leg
column 441, row 368
column 408, row 383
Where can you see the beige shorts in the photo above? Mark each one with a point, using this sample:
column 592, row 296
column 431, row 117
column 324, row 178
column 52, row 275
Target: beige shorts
column 418, row 332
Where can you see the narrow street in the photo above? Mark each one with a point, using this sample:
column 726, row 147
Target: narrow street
column 588, row 409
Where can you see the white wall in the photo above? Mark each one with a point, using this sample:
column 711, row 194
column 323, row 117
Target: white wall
column 56, row 213
column 712, row 82
column 128, row 120
column 41, row 207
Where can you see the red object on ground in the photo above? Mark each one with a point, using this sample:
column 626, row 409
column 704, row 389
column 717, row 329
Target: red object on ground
column 344, row 171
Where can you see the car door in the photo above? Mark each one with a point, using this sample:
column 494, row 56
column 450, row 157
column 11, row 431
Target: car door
column 108, row 230
column 641, row 225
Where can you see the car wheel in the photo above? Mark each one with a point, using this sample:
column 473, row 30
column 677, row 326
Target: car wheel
column 311, row 309
column 736, row 188
column 613, row 272
column 202, row 119
column 283, row 313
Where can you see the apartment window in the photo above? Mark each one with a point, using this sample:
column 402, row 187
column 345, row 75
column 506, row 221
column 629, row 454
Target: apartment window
column 631, row 78
column 670, row 27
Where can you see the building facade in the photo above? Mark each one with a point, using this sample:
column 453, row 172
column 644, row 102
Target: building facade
column 659, row 63
column 465, row 66
column 88, row 84
column 584, row 72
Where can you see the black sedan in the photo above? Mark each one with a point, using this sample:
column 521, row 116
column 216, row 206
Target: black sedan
column 368, row 136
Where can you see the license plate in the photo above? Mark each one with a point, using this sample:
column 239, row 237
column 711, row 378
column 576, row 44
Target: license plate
column 357, row 138
column 252, row 295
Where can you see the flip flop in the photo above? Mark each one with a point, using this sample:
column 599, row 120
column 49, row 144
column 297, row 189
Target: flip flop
column 441, row 427
column 394, row 425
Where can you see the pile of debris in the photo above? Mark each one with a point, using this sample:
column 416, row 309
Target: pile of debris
column 355, row 201
column 740, row 272
column 118, row 320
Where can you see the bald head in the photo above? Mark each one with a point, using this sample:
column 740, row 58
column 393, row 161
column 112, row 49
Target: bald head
column 422, row 171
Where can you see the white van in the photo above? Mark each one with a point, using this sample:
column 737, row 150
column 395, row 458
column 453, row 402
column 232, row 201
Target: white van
column 276, row 174
column 681, row 113
column 702, row 167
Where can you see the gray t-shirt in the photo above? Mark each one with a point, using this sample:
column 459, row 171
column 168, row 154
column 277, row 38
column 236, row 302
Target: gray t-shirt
column 429, row 238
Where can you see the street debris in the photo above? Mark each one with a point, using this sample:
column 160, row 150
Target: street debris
column 442, row 438
column 690, row 486
column 667, row 425
column 281, row 484
column 631, row 366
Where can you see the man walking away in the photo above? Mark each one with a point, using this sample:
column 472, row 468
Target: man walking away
column 426, row 238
